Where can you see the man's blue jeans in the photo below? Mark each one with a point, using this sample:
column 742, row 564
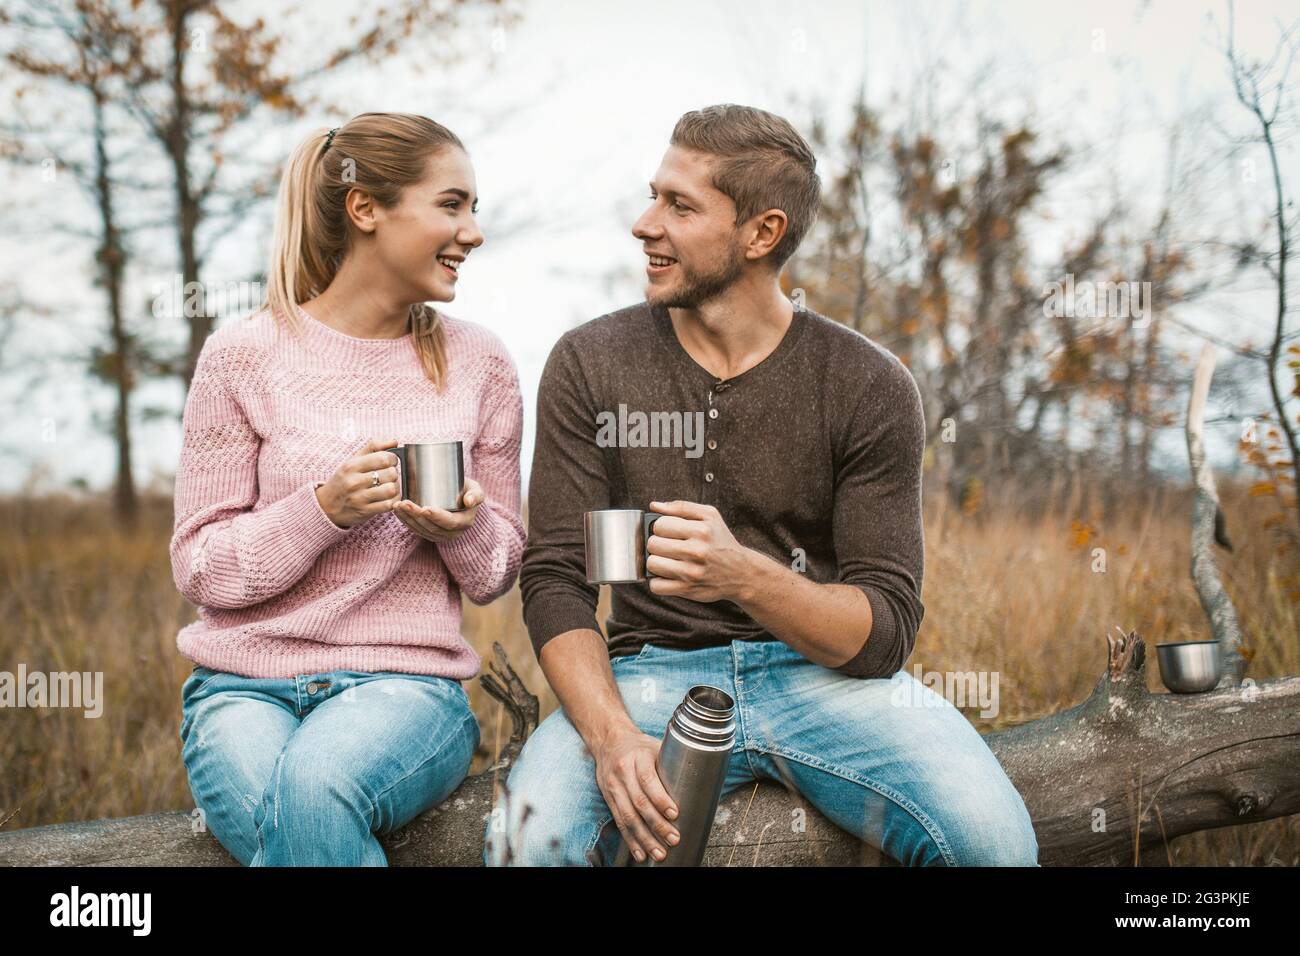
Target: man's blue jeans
column 304, row 771
column 889, row 760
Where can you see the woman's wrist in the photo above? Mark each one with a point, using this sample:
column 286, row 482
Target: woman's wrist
column 324, row 505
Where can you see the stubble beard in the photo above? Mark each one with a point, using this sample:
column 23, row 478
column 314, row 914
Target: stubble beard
column 697, row 288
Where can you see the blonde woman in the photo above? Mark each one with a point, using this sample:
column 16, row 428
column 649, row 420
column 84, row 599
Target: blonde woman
column 326, row 704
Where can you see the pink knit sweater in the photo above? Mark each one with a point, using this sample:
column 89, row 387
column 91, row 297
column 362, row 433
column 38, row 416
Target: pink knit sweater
column 281, row 590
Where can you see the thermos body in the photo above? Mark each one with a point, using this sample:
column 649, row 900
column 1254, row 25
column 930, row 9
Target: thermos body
column 692, row 766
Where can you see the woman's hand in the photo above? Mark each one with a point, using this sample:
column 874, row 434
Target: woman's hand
column 350, row 495
column 435, row 524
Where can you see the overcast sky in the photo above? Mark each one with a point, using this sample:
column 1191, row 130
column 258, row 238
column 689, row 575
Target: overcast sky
column 568, row 114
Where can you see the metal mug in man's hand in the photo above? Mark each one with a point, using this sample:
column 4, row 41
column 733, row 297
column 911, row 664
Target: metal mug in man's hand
column 616, row 542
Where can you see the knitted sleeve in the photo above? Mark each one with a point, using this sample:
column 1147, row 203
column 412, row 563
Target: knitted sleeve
column 484, row 560
column 569, row 477
column 879, row 540
column 228, row 549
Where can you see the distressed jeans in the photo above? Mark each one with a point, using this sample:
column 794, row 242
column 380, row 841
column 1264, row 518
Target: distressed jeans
column 305, row 771
column 889, row 760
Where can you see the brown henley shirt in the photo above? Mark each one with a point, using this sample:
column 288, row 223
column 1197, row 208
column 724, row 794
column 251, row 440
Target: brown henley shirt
column 812, row 457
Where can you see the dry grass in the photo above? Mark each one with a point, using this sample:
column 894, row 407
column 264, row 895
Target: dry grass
column 1003, row 592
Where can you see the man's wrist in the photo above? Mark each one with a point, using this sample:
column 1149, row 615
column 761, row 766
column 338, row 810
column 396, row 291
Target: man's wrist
column 754, row 579
column 606, row 730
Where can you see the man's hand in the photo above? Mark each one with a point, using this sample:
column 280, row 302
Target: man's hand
column 694, row 555
column 626, row 774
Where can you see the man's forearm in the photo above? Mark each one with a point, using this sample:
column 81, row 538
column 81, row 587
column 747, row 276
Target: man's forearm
column 576, row 664
column 826, row 623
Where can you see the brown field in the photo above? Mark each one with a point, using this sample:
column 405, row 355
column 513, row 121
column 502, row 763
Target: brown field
column 1003, row 591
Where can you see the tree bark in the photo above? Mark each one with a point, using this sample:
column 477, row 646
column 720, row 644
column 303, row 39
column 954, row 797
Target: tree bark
column 118, row 367
column 1206, row 518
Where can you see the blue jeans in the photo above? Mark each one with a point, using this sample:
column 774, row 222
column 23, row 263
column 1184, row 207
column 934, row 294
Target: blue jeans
column 889, row 760
column 304, row 771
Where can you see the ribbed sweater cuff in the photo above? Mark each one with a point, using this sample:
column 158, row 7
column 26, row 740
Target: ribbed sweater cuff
column 260, row 554
column 304, row 524
column 553, row 614
column 877, row 653
column 474, row 548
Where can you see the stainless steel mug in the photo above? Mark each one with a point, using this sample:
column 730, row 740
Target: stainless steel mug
column 692, row 765
column 1190, row 667
column 432, row 475
column 616, row 544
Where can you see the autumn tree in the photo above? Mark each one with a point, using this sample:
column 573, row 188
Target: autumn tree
column 172, row 93
column 923, row 244
column 63, row 52
column 1262, row 88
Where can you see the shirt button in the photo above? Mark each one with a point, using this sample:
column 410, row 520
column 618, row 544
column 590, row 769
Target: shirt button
column 713, row 443
column 313, row 687
column 713, row 413
column 708, row 476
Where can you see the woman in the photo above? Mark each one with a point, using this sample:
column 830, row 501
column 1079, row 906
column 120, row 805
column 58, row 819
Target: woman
column 327, row 704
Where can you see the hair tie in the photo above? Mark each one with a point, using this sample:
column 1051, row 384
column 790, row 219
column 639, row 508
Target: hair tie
column 329, row 139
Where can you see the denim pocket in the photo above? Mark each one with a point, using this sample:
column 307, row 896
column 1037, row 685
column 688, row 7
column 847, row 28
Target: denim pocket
column 449, row 686
column 457, row 688
column 638, row 656
column 199, row 678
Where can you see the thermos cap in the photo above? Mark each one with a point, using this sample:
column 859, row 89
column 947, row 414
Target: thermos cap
column 705, row 718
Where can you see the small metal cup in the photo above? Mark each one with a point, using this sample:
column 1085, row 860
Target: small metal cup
column 1190, row 667
column 616, row 540
column 432, row 475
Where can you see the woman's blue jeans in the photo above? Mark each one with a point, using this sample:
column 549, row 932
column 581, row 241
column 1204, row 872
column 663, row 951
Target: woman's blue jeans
column 889, row 760
column 305, row 771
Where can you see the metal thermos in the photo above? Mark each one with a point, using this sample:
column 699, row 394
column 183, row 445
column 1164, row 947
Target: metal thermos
column 692, row 766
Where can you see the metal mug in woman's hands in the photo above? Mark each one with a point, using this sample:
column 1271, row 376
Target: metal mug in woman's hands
column 432, row 474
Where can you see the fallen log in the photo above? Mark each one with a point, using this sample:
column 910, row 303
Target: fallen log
column 1114, row 779
column 1108, row 782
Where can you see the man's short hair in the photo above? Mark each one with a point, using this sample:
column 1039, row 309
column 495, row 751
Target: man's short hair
column 763, row 163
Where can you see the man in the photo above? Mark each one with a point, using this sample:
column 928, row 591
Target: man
column 787, row 566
